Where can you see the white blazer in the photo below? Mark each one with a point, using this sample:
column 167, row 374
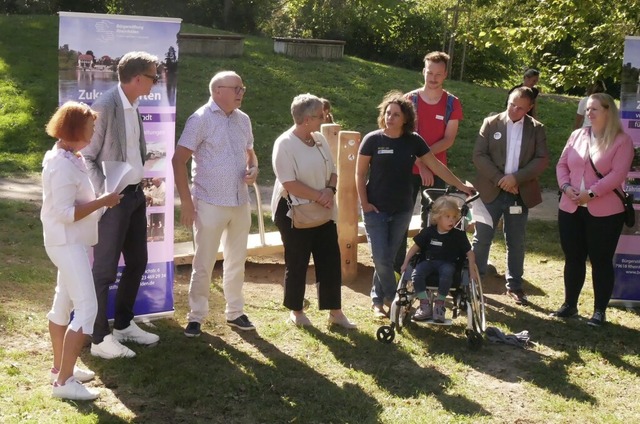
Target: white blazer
column 65, row 184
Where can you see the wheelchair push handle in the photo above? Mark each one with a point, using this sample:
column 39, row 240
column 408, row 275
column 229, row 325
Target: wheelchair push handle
column 428, row 192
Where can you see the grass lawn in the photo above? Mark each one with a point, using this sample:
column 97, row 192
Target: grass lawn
column 28, row 95
column 571, row 374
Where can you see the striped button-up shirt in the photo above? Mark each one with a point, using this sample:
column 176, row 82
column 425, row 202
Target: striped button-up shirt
column 219, row 144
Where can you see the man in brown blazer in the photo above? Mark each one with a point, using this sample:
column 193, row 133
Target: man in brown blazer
column 510, row 154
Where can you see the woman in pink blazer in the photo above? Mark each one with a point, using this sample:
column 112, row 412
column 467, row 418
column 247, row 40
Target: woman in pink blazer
column 591, row 216
column 69, row 215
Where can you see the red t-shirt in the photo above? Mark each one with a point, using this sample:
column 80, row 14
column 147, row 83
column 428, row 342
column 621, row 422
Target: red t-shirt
column 431, row 124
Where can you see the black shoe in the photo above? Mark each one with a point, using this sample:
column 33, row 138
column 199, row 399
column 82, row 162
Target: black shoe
column 565, row 311
column 192, row 329
column 242, row 323
column 518, row 296
column 597, row 319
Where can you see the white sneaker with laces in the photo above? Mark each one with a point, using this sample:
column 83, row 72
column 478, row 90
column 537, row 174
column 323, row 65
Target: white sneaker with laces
column 110, row 348
column 135, row 334
column 73, row 390
column 80, row 374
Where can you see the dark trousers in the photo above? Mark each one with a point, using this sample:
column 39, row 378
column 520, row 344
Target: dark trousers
column 417, row 188
column 583, row 235
column 299, row 245
column 122, row 229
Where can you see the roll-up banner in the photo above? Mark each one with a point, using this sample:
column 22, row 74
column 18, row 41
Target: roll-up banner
column 626, row 291
column 90, row 46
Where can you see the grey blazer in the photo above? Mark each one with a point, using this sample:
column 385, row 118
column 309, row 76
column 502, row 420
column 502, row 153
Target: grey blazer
column 109, row 137
column 490, row 157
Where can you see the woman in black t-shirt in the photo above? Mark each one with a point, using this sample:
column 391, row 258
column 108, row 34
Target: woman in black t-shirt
column 387, row 156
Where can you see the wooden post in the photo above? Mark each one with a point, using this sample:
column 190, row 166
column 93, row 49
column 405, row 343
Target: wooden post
column 349, row 142
column 330, row 132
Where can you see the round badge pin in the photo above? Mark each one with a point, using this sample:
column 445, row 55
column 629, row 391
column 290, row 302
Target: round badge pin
column 497, row 136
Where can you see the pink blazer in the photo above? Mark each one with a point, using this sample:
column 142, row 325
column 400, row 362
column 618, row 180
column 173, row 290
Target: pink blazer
column 614, row 164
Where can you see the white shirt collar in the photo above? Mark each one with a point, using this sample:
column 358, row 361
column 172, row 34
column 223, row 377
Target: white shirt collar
column 125, row 101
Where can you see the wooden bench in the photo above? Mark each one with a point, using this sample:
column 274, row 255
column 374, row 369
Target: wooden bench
column 309, row 48
column 216, row 45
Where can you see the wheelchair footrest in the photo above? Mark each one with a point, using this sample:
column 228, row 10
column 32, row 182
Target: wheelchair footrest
column 446, row 322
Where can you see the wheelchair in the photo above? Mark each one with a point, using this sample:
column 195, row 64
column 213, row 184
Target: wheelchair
column 466, row 292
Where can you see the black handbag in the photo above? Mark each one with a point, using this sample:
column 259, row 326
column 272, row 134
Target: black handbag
column 626, row 198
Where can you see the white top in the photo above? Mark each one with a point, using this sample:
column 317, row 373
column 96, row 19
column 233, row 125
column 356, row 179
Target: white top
column 293, row 160
column 219, row 144
column 132, row 128
column 65, row 184
column 514, row 143
column 582, row 110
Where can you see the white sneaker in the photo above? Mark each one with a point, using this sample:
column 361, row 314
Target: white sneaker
column 110, row 348
column 81, row 375
column 135, row 334
column 74, row 390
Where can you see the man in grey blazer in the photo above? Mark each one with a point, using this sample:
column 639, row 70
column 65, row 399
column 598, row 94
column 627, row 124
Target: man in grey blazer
column 119, row 136
column 510, row 154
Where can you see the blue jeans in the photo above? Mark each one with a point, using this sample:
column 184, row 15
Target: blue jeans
column 385, row 233
column 514, row 235
column 427, row 267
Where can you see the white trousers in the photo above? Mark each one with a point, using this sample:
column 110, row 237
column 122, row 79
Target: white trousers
column 214, row 224
column 75, row 290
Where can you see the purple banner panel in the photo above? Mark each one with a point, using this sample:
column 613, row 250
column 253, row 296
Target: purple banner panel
column 89, row 48
column 627, row 260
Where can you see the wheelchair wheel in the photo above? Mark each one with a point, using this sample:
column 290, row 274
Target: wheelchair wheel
column 476, row 297
column 386, row 334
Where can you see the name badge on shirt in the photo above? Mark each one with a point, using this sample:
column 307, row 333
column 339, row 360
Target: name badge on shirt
column 436, row 243
column 385, row 151
column 440, row 117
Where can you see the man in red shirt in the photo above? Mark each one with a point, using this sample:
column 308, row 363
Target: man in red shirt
column 438, row 114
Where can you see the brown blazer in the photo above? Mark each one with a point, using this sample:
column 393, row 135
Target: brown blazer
column 490, row 156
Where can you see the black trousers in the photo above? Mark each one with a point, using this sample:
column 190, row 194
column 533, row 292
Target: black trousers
column 122, row 229
column 417, row 188
column 299, row 245
column 583, row 235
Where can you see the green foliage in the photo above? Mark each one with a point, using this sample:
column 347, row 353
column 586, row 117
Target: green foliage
column 398, row 33
column 573, row 43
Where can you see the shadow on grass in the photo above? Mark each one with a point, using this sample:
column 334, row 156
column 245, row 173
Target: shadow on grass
column 395, row 371
column 215, row 380
column 549, row 372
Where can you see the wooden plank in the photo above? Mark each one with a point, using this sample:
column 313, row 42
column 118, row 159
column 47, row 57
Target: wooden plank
column 349, row 142
column 183, row 252
column 414, row 228
column 330, row 132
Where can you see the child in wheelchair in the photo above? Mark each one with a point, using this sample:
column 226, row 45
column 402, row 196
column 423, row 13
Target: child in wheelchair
column 438, row 248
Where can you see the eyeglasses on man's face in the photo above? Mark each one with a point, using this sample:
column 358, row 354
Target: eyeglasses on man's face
column 154, row 78
column 237, row 88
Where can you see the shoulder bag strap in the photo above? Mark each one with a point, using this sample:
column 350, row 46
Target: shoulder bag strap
column 599, row 175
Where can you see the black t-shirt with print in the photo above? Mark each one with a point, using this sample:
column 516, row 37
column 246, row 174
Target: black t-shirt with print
column 389, row 186
column 447, row 247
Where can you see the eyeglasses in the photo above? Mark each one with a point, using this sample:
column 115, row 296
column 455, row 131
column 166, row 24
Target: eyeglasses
column 238, row 89
column 155, row 78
